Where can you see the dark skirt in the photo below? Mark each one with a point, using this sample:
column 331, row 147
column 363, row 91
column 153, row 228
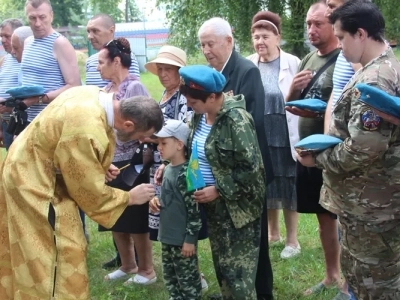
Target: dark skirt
column 308, row 188
column 134, row 219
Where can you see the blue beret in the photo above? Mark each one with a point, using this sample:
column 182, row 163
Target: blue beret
column 203, row 78
column 314, row 105
column 379, row 99
column 26, row 91
column 316, row 143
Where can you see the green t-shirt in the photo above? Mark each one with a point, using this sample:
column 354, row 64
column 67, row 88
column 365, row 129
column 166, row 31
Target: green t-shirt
column 321, row 89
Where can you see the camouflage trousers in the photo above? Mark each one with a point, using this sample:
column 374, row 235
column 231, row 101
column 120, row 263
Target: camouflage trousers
column 181, row 276
column 370, row 258
column 235, row 254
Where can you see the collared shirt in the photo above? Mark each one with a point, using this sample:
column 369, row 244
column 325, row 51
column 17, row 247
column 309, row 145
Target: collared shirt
column 225, row 62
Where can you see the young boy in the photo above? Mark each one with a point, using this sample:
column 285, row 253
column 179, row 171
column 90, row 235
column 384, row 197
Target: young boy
column 179, row 217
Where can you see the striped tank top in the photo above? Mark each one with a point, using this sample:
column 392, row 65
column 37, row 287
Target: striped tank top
column 40, row 67
column 9, row 71
column 93, row 76
column 200, row 136
column 341, row 76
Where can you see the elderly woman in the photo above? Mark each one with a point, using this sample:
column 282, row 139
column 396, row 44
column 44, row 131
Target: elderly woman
column 132, row 227
column 231, row 164
column 277, row 70
column 173, row 105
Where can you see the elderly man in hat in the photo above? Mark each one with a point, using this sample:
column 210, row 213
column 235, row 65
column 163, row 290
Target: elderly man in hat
column 61, row 160
column 242, row 77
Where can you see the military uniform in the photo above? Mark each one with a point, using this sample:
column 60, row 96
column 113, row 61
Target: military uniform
column 362, row 180
column 233, row 219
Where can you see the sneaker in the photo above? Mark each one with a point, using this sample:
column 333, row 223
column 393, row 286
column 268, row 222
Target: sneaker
column 204, row 284
column 290, row 251
column 112, row 264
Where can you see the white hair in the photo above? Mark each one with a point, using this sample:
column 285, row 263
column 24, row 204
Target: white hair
column 23, row 33
column 219, row 27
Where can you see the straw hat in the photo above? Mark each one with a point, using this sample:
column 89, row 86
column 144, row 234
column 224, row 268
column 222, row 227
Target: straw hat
column 168, row 55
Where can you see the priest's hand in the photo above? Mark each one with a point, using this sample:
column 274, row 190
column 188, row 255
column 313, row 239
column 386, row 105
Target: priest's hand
column 158, row 176
column 302, row 112
column 141, row 194
column 111, row 173
column 154, row 205
column 206, row 194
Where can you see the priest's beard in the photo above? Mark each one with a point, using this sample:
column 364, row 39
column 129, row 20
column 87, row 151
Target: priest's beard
column 125, row 136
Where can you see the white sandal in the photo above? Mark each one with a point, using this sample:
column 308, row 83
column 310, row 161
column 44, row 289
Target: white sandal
column 117, row 274
column 139, row 279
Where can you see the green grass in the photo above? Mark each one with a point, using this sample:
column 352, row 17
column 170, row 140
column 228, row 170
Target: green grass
column 291, row 277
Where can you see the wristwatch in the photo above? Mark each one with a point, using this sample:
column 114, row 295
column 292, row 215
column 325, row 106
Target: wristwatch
column 41, row 99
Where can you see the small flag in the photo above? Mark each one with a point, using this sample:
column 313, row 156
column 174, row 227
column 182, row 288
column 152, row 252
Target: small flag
column 194, row 178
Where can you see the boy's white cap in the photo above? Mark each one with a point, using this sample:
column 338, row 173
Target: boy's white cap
column 176, row 129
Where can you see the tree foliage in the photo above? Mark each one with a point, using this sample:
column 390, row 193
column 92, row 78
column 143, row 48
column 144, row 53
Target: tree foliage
column 186, row 16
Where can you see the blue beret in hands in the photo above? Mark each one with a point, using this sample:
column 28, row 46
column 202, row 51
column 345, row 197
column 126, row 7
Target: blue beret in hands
column 314, row 105
column 379, row 99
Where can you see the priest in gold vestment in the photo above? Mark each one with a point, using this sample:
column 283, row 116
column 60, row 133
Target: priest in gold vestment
column 56, row 164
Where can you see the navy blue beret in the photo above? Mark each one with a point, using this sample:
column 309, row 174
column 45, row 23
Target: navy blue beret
column 379, row 99
column 203, row 78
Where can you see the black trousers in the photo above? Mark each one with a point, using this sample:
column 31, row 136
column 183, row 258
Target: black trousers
column 264, row 277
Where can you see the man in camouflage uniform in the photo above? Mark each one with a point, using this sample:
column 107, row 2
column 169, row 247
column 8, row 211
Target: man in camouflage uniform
column 234, row 202
column 361, row 174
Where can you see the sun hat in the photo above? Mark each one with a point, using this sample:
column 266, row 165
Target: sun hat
column 168, row 55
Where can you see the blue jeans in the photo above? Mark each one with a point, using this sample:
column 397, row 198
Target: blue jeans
column 7, row 138
column 352, row 297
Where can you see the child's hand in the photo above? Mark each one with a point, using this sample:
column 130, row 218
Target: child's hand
column 188, row 250
column 154, row 205
column 158, row 176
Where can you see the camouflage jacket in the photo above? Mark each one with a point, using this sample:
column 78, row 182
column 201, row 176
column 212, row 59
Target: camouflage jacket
column 235, row 159
column 362, row 174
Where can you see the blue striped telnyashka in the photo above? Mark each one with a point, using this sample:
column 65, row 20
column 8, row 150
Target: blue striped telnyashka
column 40, row 67
column 341, row 76
column 9, row 71
column 200, row 136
